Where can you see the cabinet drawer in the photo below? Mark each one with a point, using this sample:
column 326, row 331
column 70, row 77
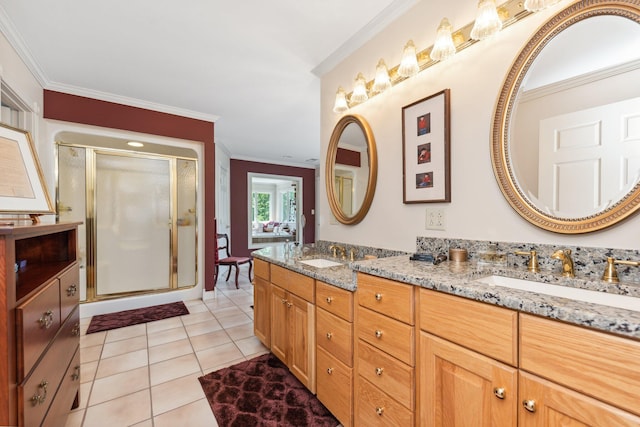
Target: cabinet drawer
column 37, row 322
column 335, row 335
column 591, row 362
column 335, row 300
column 487, row 329
column 376, row 408
column 334, row 386
column 385, row 296
column 37, row 392
column 391, row 336
column 296, row 283
column 261, row 269
column 386, row 373
column 69, row 291
column 65, row 397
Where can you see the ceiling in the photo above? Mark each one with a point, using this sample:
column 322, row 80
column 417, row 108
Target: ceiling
column 251, row 66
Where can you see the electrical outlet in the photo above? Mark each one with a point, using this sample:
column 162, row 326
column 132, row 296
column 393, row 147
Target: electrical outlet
column 435, row 219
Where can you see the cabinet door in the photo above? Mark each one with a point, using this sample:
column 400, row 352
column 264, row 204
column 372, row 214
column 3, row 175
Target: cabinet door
column 262, row 311
column 544, row 403
column 279, row 326
column 462, row 388
column 302, row 331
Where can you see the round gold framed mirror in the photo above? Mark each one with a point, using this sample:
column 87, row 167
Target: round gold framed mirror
column 565, row 142
column 351, row 169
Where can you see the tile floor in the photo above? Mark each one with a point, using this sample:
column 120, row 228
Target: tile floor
column 147, row 375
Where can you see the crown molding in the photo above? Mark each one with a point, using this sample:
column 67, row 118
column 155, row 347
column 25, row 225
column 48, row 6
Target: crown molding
column 275, row 162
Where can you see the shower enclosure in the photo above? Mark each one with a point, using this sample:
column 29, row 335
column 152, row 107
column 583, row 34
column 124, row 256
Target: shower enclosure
column 139, row 218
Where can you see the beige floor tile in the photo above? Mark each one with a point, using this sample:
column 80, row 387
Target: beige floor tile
column 90, row 354
column 119, row 385
column 75, row 418
column 148, row 423
column 208, row 340
column 242, row 300
column 221, row 313
column 196, row 306
column 168, row 335
column 124, row 346
column 165, row 398
column 241, row 331
column 203, row 327
column 88, row 371
column 126, row 332
column 190, row 319
column 169, row 350
column 122, row 363
column 214, row 357
column 85, row 392
column 123, row 411
column 251, row 345
column 92, row 339
column 173, row 368
column 164, row 324
column 221, row 302
column 196, row 414
column 235, row 320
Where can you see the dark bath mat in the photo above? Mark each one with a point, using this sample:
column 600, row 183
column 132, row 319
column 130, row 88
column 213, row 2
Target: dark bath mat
column 120, row 319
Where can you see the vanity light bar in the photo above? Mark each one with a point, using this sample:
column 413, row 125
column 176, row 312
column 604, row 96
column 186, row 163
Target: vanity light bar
column 509, row 12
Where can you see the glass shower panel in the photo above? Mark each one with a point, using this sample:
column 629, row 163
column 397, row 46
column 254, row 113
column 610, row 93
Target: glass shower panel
column 71, row 201
column 186, row 186
column 133, row 230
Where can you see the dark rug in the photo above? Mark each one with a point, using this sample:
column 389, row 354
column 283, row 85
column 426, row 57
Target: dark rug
column 120, row 319
column 262, row 392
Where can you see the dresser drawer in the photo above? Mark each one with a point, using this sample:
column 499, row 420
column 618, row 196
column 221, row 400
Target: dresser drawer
column 69, row 291
column 334, row 381
column 390, row 298
column 389, row 335
column 386, row 373
column 296, row 283
column 594, row 363
column 37, row 322
column 335, row 300
column 376, row 408
column 261, row 269
column 335, row 335
column 65, row 397
column 37, row 392
column 485, row 328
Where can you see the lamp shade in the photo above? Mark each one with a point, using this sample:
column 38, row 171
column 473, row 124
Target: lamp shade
column 382, row 81
column 409, row 63
column 443, row 48
column 340, row 105
column 487, row 22
column 359, row 93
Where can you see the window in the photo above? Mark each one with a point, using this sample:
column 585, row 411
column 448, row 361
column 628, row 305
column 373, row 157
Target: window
column 261, row 206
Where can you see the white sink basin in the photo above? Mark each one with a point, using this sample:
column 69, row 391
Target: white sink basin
column 602, row 298
column 320, row 263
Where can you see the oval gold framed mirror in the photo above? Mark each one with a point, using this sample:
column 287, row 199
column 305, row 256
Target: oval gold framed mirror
column 351, row 169
column 565, row 142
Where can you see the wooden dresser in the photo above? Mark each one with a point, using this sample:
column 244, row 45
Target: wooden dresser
column 39, row 327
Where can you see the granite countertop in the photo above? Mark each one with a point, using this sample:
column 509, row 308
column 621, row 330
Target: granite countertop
column 460, row 279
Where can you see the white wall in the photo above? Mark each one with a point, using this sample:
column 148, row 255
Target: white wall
column 475, row 76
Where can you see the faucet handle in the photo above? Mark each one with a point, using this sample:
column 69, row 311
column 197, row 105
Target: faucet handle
column 610, row 274
column 533, row 265
column 352, row 254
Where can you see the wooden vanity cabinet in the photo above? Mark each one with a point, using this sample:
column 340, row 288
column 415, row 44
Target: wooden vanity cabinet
column 334, row 341
column 40, row 331
column 385, row 353
column 262, row 302
column 293, row 323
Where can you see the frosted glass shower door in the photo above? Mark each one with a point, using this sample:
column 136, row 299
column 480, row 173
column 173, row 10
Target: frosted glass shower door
column 133, row 231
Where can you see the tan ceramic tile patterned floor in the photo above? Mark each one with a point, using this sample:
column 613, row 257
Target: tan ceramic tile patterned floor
column 147, row 375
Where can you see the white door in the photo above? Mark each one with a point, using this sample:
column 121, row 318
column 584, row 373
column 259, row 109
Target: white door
column 589, row 159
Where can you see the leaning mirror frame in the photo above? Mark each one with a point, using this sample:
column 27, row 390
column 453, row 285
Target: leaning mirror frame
column 332, row 151
column 502, row 167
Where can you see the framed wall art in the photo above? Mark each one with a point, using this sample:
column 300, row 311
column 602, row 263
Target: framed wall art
column 426, row 151
column 22, row 185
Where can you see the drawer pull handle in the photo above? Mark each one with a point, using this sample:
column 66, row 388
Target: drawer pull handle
column 76, row 373
column 329, row 335
column 46, row 320
column 529, row 405
column 284, row 301
column 380, row 410
column 289, row 305
column 71, row 290
column 378, row 334
column 329, row 371
column 76, row 330
column 329, row 300
column 499, row 392
column 378, row 297
column 38, row 399
column 379, row 371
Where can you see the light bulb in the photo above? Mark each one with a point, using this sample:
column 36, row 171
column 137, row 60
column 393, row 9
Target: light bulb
column 382, row 81
column 359, row 93
column 340, row 105
column 443, row 48
column 409, row 63
column 487, row 22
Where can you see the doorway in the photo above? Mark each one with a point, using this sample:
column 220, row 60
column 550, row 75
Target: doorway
column 274, row 210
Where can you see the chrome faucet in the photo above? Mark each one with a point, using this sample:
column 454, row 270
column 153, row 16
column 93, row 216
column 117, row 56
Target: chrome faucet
column 564, row 255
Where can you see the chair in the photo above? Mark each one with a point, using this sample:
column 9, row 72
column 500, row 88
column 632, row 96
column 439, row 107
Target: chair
column 229, row 260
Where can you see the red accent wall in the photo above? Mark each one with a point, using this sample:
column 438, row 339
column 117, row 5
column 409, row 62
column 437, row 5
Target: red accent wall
column 348, row 157
column 239, row 208
column 88, row 111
